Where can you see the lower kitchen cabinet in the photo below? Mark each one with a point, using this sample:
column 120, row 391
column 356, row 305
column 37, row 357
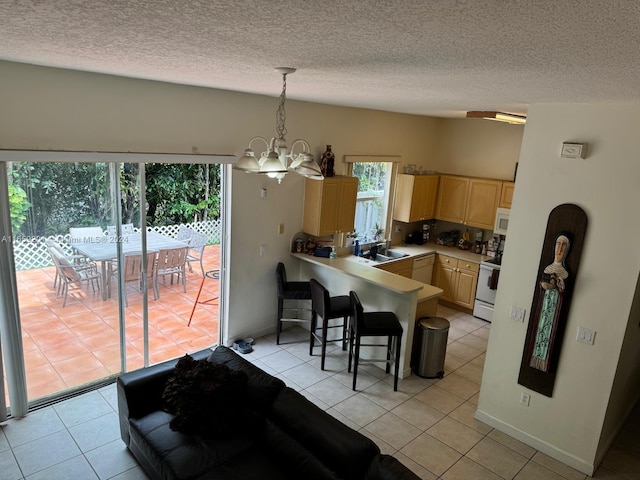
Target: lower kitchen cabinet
column 458, row 279
column 400, row 267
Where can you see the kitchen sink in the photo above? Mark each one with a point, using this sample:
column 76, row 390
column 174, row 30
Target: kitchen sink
column 393, row 254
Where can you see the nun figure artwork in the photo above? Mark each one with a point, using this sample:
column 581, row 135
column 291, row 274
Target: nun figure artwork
column 552, row 286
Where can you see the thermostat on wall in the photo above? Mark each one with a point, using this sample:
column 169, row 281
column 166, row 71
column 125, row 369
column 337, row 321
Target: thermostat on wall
column 573, row 150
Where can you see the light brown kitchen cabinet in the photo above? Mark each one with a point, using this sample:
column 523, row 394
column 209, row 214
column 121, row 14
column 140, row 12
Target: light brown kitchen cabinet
column 329, row 205
column 482, row 201
column 507, row 194
column 415, row 197
column 452, row 198
column 399, row 267
column 458, row 279
column 470, row 201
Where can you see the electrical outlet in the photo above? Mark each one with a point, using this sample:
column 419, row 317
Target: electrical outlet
column 525, row 398
column 398, row 230
column 586, row 335
column 516, row 314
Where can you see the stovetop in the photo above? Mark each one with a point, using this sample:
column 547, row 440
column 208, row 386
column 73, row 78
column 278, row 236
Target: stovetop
column 496, row 261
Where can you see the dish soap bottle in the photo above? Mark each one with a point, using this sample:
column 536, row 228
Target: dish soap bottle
column 333, row 253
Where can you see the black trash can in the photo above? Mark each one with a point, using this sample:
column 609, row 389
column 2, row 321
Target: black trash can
column 431, row 345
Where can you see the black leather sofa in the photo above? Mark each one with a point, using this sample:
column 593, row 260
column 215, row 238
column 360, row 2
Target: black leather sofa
column 291, row 437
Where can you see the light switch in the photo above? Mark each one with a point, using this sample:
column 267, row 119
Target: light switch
column 516, row 314
column 263, row 250
column 586, row 335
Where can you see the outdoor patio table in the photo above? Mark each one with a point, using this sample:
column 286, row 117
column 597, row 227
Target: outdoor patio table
column 102, row 249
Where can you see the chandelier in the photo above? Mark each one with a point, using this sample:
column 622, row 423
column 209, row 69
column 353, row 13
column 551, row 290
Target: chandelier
column 278, row 159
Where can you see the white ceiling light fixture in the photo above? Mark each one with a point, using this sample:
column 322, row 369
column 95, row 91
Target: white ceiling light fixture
column 500, row 117
column 278, row 159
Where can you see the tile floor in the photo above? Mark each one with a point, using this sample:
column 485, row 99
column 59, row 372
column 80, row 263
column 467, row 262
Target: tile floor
column 427, row 424
column 68, row 347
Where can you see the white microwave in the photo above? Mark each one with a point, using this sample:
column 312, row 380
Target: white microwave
column 502, row 221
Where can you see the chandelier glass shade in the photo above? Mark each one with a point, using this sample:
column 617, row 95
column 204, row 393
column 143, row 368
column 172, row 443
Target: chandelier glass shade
column 277, row 159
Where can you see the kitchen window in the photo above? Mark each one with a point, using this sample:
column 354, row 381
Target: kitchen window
column 372, row 204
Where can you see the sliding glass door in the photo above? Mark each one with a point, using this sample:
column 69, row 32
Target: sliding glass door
column 104, row 285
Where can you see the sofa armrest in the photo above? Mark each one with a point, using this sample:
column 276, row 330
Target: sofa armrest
column 140, row 391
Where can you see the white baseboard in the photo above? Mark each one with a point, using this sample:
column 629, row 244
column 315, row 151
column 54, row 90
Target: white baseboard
column 540, row 445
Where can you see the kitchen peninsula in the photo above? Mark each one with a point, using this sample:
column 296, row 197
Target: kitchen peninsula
column 378, row 291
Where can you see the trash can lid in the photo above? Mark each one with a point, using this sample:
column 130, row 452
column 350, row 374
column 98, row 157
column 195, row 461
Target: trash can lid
column 434, row 323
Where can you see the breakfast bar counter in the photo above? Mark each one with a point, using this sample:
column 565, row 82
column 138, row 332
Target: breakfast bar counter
column 378, row 291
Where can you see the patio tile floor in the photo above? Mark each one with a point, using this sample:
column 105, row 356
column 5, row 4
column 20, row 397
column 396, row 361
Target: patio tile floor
column 65, row 348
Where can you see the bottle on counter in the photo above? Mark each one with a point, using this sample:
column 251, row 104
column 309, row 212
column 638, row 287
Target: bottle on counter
column 333, row 253
column 356, row 248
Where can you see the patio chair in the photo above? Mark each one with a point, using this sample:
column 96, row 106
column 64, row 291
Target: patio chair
column 196, row 250
column 71, row 275
column 84, row 235
column 184, row 233
column 169, row 262
column 132, row 270
column 125, row 229
column 52, row 245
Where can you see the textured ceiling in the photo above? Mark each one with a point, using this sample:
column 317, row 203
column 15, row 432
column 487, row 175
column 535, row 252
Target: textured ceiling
column 431, row 57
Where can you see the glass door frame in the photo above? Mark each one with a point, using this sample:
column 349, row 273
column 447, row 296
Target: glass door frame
column 10, row 325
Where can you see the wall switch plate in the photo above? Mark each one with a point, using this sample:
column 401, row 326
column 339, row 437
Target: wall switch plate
column 516, row 314
column 263, row 250
column 586, row 335
column 281, row 228
column 525, row 398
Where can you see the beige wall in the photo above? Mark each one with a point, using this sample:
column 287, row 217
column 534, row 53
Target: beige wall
column 569, row 425
column 478, row 148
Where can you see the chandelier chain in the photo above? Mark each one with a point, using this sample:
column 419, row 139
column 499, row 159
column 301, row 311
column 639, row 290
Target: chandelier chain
column 281, row 116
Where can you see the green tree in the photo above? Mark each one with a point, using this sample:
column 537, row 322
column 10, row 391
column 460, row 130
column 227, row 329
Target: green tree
column 19, row 206
column 65, row 194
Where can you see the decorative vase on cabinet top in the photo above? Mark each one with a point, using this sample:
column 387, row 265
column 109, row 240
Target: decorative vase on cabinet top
column 327, row 163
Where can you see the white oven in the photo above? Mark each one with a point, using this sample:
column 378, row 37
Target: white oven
column 487, row 287
column 502, row 221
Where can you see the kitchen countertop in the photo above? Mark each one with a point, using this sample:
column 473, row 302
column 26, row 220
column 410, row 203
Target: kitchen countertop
column 365, row 269
column 420, row 250
column 362, row 268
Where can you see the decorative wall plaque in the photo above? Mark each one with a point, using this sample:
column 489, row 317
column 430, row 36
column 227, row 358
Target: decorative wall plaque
column 555, row 283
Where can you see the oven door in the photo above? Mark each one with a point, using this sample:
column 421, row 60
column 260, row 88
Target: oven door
column 487, row 284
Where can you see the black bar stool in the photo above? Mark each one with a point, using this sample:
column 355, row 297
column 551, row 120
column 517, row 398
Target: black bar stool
column 327, row 307
column 289, row 291
column 373, row 324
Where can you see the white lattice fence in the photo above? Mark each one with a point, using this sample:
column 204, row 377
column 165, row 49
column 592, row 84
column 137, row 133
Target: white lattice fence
column 32, row 252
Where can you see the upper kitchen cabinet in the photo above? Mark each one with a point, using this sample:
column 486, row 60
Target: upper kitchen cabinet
column 507, row 194
column 329, row 205
column 470, row 201
column 452, row 198
column 415, row 197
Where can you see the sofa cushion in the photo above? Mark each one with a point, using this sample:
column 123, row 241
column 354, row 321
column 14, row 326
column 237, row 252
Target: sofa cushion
column 197, row 393
column 339, row 447
column 386, row 467
column 174, row 455
column 294, row 459
column 262, row 388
